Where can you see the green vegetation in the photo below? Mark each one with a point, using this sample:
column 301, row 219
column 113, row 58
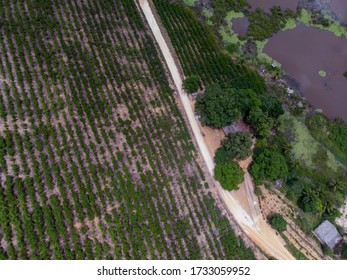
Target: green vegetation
column 222, row 8
column 344, row 251
column 345, row 74
column 306, row 149
column 268, row 165
column 297, row 254
column 322, row 73
column 332, row 134
column 237, row 145
column 190, row 2
column 310, row 158
column 310, row 201
column 263, row 25
column 220, row 107
column 199, row 52
column 191, row 83
column 229, row 175
column 316, row 181
column 91, row 138
column 278, row 222
column 260, row 122
column 216, row 107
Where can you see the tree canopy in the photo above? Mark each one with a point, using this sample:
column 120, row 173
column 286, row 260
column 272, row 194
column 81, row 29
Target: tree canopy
column 217, row 107
column 221, row 156
column 260, row 122
column 269, row 165
column 278, row 222
column 238, row 145
column 271, row 105
column 229, row 175
column 191, row 83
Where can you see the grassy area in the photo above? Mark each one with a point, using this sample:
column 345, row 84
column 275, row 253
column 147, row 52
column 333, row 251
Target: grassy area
column 190, row 2
column 305, row 148
column 297, row 254
column 334, row 26
column 332, row 135
column 208, row 14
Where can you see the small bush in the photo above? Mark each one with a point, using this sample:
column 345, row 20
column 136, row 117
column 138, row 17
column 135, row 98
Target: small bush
column 278, row 222
column 191, row 83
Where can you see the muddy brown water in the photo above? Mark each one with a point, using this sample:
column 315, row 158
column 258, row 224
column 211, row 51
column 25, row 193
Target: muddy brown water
column 339, row 7
column 240, row 25
column 303, row 52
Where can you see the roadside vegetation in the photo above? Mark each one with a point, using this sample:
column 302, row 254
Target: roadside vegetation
column 229, row 174
column 237, row 146
column 191, row 84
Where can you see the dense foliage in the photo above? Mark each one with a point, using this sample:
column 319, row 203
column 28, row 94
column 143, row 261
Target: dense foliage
column 238, row 145
column 216, row 107
column 271, row 105
column 191, row 83
column 260, row 121
column 268, row 165
column 344, row 251
column 229, row 175
column 221, row 8
column 332, row 134
column 199, row 53
column 278, row 222
column 263, row 25
column 96, row 160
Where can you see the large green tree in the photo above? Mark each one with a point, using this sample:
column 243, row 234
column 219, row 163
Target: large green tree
column 217, row 107
column 260, row 121
column 268, row 165
column 238, row 145
column 221, row 156
column 271, row 105
column 229, row 175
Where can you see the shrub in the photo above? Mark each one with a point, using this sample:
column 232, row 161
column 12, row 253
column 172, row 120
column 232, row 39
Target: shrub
column 191, row 83
column 278, row 222
column 229, row 174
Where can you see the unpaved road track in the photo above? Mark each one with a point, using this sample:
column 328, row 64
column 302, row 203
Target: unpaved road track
column 252, row 223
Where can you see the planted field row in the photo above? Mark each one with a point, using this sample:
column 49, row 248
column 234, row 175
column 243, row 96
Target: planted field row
column 198, row 52
column 96, row 160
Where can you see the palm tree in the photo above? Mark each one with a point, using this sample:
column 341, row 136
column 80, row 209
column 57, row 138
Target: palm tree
column 335, row 185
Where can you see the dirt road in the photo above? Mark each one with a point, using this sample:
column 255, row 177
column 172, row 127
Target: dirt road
column 252, row 223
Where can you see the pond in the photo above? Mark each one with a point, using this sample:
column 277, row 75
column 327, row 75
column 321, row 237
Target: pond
column 339, row 7
column 316, row 59
column 240, row 25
